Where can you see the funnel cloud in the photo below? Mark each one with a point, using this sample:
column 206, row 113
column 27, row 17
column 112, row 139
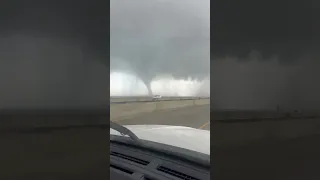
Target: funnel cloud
column 160, row 37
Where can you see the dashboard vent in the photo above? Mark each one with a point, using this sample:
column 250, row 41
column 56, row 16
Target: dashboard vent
column 121, row 169
column 129, row 158
column 146, row 178
column 176, row 173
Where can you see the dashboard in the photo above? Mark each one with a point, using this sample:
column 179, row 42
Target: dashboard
column 131, row 163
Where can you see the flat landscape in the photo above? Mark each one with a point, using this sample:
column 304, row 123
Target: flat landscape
column 282, row 147
column 195, row 117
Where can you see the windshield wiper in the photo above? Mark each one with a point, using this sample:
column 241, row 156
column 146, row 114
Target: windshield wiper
column 123, row 131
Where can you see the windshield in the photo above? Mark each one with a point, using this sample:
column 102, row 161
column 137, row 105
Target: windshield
column 160, row 66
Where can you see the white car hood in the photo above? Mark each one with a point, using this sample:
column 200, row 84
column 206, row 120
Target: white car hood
column 179, row 136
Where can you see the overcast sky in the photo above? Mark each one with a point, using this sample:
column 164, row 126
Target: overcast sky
column 265, row 53
column 50, row 53
column 154, row 37
column 55, row 53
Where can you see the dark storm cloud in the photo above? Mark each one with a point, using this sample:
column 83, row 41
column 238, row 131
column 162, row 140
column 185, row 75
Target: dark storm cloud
column 50, row 54
column 160, row 37
column 271, row 27
column 265, row 53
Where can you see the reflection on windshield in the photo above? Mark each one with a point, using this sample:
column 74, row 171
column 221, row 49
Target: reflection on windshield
column 160, row 66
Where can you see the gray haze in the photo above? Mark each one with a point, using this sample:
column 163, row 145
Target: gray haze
column 48, row 72
column 155, row 37
column 265, row 53
column 265, row 84
column 50, row 54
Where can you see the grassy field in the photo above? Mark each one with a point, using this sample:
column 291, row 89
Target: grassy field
column 114, row 99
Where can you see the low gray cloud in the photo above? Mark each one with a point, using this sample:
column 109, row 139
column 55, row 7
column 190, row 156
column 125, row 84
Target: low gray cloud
column 151, row 38
column 265, row 53
column 48, row 72
column 265, row 84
